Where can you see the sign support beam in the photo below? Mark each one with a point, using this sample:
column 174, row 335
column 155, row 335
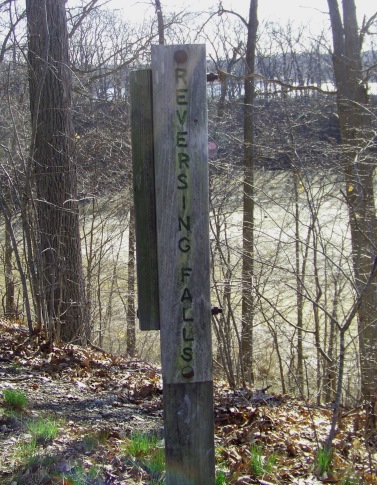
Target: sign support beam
column 144, row 198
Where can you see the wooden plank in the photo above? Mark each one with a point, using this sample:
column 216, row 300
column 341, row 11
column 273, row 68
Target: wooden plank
column 181, row 168
column 144, row 199
column 189, row 459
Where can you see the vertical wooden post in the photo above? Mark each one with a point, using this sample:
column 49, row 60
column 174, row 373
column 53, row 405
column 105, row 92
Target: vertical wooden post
column 144, row 199
column 181, row 168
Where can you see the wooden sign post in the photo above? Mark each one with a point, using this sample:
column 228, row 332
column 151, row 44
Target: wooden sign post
column 182, row 220
column 181, row 171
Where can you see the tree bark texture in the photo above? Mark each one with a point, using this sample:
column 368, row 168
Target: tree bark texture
column 10, row 309
column 52, row 148
column 300, row 275
column 131, row 323
column 248, row 201
column 160, row 22
column 358, row 166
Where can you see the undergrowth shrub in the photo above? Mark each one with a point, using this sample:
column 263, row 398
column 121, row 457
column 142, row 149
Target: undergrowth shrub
column 145, row 449
column 43, row 430
column 261, row 464
column 14, row 400
column 322, row 461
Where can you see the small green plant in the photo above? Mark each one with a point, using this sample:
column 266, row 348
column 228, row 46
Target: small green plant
column 43, row 431
column 14, row 400
column 39, row 466
column 256, row 460
column 145, row 450
column 27, row 455
column 259, row 463
column 26, row 450
column 79, row 475
column 39, row 470
column 141, row 444
column 220, row 478
column 155, row 462
column 221, row 465
column 322, row 462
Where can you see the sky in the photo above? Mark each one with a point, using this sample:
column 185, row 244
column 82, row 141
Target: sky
column 301, row 11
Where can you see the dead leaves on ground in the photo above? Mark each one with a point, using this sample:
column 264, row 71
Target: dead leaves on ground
column 283, row 428
column 292, row 431
column 134, row 380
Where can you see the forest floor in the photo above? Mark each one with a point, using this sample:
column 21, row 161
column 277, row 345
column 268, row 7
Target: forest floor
column 103, row 404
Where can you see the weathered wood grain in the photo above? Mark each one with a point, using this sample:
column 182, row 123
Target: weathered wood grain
column 181, row 168
column 144, row 199
column 189, row 429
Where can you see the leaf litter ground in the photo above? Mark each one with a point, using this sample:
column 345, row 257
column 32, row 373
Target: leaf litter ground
column 100, row 400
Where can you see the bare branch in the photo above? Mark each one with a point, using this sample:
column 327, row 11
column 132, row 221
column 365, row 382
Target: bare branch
column 87, row 9
column 367, row 24
column 285, row 86
column 222, row 10
column 4, row 49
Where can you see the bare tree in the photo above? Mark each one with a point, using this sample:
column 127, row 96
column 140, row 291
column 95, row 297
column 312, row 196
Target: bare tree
column 248, row 202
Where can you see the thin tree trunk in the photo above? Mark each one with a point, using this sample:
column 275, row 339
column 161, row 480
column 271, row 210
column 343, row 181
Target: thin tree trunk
column 131, row 321
column 248, row 200
column 329, row 384
column 5, row 210
column 10, row 310
column 299, row 288
column 160, row 22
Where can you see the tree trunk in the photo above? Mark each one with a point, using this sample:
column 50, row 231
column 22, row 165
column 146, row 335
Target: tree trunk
column 160, row 22
column 10, row 310
column 55, row 172
column 329, row 384
column 248, row 200
column 131, row 323
column 358, row 166
column 299, row 286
